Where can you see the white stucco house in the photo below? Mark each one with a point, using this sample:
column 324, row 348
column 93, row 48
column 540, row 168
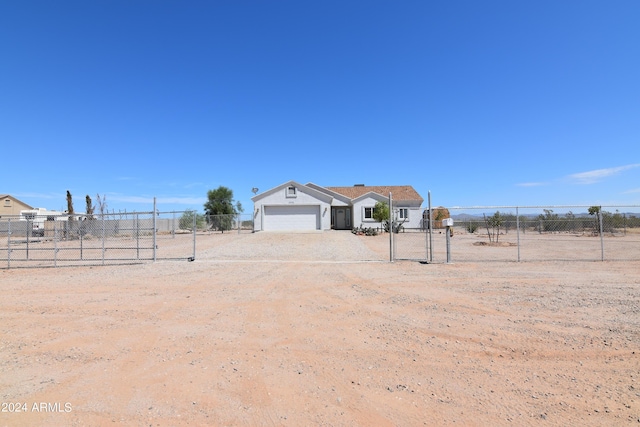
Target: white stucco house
column 302, row 207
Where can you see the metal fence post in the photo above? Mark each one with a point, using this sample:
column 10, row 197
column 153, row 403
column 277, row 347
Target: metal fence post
column 137, row 229
column 154, row 229
column 55, row 243
column 430, row 228
column 518, row 231
column 9, row 244
column 103, row 239
column 195, row 229
column 81, row 240
column 448, row 243
column 29, row 229
column 391, row 255
column 601, row 235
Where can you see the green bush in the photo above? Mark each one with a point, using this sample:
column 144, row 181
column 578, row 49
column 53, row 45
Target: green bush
column 472, row 226
column 186, row 220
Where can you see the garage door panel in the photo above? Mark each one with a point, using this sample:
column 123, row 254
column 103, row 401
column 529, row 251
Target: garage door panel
column 291, row 218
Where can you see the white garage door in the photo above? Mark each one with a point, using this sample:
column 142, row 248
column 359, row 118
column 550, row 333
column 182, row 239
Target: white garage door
column 291, row 218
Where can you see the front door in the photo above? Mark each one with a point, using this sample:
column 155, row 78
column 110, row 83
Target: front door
column 341, row 222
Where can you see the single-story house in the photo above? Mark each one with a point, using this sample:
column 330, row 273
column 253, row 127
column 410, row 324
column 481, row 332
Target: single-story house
column 9, row 205
column 296, row 207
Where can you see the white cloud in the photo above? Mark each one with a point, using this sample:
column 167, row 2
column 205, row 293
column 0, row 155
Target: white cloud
column 531, row 184
column 591, row 177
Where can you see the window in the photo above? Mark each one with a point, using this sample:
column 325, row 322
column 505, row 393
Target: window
column 291, row 191
column 403, row 213
column 368, row 213
column 7, row 202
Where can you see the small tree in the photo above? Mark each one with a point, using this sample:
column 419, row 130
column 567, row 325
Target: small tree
column 618, row 220
column 89, row 207
column 186, row 220
column 495, row 222
column 571, row 221
column 548, row 221
column 221, row 208
column 102, row 203
column 595, row 211
column 472, row 226
column 70, row 205
column 381, row 214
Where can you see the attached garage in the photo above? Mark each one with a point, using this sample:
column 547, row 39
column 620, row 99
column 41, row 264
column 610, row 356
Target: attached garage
column 296, row 207
column 291, row 218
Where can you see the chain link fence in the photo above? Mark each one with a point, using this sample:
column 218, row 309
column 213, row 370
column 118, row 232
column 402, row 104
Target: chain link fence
column 102, row 239
column 511, row 233
column 226, row 223
column 411, row 244
column 544, row 233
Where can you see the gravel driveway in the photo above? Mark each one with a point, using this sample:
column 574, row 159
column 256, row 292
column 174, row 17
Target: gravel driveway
column 328, row 246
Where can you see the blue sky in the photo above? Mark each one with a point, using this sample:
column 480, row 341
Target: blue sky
column 480, row 102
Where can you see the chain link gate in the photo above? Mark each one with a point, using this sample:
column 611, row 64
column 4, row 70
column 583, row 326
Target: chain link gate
column 99, row 239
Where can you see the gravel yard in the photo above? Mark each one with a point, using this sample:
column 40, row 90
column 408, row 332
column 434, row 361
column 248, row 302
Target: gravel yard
column 319, row 329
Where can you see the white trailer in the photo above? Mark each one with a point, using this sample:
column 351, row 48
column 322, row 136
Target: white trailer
column 38, row 216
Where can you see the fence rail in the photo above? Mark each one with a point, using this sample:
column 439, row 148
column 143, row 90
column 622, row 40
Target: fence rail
column 478, row 234
column 541, row 233
column 100, row 239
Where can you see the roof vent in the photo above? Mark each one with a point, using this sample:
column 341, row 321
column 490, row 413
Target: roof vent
column 358, row 185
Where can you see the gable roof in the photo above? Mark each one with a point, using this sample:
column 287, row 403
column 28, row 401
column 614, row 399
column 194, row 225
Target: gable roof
column 399, row 192
column 336, row 196
column 9, row 196
column 309, row 190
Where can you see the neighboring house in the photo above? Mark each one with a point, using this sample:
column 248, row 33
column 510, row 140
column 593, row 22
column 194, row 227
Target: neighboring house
column 9, row 205
column 294, row 207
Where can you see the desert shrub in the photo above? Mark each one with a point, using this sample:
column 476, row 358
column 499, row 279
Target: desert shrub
column 472, row 226
column 366, row 231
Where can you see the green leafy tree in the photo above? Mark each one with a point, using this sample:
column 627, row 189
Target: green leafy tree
column 548, row 221
column 186, row 220
column 221, row 208
column 595, row 211
column 381, row 214
column 618, row 220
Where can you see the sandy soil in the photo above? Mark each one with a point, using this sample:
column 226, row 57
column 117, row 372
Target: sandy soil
column 318, row 330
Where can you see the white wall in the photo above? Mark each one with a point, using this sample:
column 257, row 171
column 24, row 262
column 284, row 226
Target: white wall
column 358, row 213
column 414, row 221
column 278, row 198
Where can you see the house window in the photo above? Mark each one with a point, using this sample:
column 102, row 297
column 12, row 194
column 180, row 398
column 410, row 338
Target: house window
column 403, row 213
column 291, row 191
column 7, row 202
column 368, row 213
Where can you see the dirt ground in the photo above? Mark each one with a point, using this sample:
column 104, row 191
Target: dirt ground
column 303, row 334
